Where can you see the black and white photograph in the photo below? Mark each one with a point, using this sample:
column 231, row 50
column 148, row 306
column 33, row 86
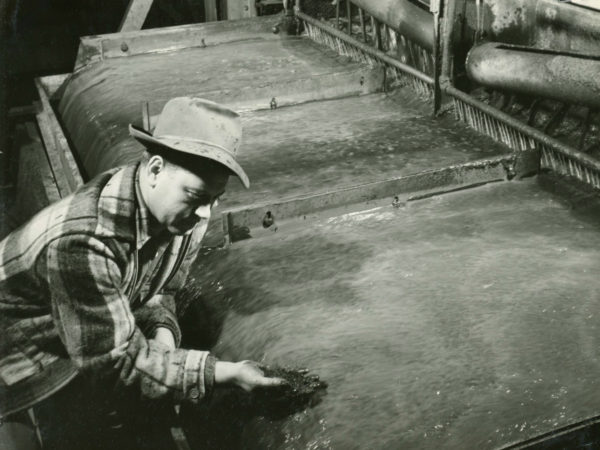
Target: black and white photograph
column 299, row 224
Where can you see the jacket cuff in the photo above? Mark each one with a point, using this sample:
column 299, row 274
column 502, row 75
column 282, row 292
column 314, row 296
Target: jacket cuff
column 198, row 376
column 209, row 375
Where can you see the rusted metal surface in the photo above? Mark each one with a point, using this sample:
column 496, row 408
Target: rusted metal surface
column 567, row 27
column 566, row 77
column 510, row 21
column 412, row 21
column 542, row 23
column 450, row 35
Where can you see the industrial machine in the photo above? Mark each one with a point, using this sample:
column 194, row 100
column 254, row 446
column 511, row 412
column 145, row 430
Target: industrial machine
column 346, row 105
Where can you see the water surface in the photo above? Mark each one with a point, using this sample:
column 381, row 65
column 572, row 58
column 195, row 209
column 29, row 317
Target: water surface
column 468, row 320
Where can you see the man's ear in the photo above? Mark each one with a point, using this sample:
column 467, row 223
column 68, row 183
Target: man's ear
column 154, row 166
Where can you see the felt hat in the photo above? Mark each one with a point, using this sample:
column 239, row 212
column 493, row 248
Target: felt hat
column 198, row 127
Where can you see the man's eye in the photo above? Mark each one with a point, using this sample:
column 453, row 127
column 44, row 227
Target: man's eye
column 198, row 199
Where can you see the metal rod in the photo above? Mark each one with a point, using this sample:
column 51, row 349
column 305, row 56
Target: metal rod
column 535, row 106
column 556, row 119
column 437, row 92
column 349, row 15
column 377, row 29
column 586, row 126
column 413, row 55
column 526, row 130
column 337, row 14
column 363, row 26
column 367, row 49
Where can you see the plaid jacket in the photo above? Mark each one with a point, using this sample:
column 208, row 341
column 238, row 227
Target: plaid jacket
column 70, row 299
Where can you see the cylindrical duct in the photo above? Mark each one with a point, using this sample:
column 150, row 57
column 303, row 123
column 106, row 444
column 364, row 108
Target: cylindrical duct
column 567, row 27
column 404, row 17
column 563, row 76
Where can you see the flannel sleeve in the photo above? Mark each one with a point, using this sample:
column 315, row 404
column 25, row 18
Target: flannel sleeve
column 96, row 325
column 158, row 312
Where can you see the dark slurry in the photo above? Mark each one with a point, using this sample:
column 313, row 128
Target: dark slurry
column 300, row 386
column 467, row 320
column 221, row 423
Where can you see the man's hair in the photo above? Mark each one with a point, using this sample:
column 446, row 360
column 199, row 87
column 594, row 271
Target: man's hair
column 193, row 163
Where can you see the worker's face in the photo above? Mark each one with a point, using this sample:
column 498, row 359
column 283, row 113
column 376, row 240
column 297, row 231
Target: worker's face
column 180, row 199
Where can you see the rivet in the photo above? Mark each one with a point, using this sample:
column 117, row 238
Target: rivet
column 124, row 47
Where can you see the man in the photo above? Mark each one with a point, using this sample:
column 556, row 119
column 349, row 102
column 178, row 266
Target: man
column 87, row 286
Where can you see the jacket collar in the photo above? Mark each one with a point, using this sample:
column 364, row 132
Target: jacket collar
column 142, row 213
column 122, row 212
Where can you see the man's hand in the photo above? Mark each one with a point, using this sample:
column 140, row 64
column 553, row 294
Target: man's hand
column 245, row 374
column 165, row 337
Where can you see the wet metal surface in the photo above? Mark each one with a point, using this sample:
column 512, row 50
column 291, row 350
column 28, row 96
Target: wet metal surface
column 321, row 146
column 467, row 320
column 99, row 101
column 287, row 151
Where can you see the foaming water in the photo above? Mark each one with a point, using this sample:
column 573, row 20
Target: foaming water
column 327, row 144
column 463, row 321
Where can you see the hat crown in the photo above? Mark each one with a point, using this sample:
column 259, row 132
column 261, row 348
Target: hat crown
column 198, row 127
column 198, row 119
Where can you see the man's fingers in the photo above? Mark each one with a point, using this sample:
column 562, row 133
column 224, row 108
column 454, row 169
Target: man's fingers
column 273, row 381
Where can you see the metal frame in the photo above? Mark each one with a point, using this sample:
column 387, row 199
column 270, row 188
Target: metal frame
column 68, row 177
column 478, row 115
column 411, row 187
column 347, row 45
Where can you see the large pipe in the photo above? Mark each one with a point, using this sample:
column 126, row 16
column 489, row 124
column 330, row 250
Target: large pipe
column 563, row 76
column 406, row 18
column 567, row 26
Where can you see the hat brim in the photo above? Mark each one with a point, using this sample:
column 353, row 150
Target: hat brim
column 198, row 148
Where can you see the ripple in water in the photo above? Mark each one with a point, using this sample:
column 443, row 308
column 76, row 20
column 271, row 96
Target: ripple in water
column 463, row 321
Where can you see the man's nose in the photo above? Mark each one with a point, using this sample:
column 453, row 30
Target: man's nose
column 203, row 212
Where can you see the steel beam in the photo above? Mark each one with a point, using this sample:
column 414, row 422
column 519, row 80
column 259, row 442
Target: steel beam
column 135, row 15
